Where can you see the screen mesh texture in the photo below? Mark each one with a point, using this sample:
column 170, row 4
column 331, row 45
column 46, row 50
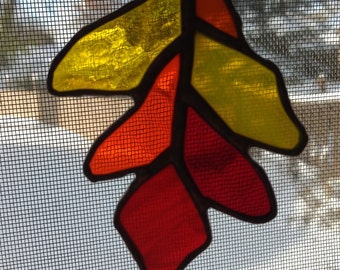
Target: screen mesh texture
column 53, row 217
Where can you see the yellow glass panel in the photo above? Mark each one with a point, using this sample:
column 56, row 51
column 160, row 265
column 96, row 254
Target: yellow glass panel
column 116, row 55
column 243, row 93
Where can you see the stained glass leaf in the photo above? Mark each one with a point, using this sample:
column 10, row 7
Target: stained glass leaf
column 186, row 159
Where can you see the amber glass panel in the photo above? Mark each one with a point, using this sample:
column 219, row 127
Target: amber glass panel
column 116, row 55
column 243, row 92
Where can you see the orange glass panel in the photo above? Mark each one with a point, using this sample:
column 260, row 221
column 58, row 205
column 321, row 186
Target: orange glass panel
column 146, row 134
column 216, row 13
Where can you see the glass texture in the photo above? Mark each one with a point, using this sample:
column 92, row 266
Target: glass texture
column 116, row 55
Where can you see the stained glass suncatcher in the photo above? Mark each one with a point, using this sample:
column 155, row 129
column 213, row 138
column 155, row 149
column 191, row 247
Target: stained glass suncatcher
column 202, row 99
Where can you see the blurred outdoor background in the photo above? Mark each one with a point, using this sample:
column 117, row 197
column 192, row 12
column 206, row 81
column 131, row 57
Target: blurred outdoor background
column 52, row 217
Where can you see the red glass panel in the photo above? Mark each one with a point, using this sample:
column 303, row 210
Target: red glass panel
column 216, row 13
column 146, row 134
column 162, row 221
column 220, row 172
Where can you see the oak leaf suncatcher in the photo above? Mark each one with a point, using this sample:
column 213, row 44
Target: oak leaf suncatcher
column 202, row 99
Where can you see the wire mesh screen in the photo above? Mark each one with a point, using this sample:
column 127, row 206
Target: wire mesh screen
column 53, row 217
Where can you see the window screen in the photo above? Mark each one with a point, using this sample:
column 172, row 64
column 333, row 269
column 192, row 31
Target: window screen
column 54, row 217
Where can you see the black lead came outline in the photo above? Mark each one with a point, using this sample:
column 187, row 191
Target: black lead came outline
column 186, row 96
